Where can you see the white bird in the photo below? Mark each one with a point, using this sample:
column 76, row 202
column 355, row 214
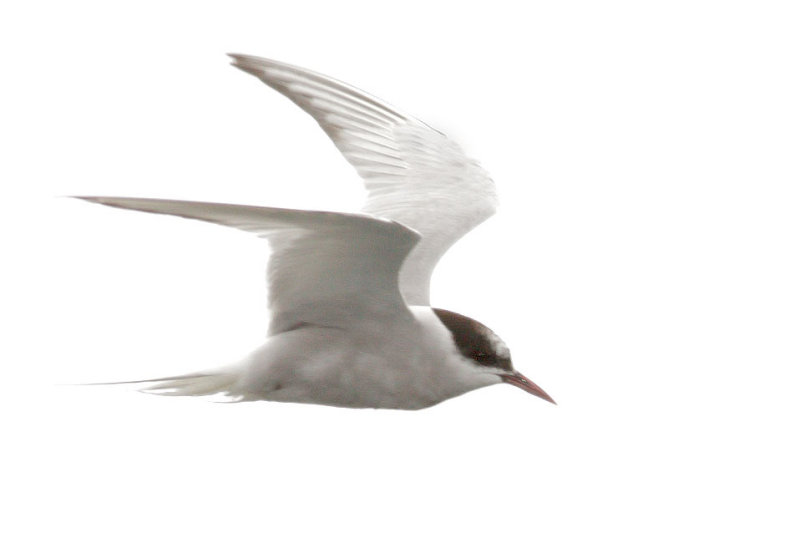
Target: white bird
column 351, row 321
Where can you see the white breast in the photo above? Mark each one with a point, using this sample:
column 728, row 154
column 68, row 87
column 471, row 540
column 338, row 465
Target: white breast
column 405, row 365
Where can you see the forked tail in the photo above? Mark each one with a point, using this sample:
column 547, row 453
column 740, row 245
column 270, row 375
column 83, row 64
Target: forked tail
column 192, row 384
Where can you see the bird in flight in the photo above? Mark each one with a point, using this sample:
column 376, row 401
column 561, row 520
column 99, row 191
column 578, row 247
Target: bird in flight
column 351, row 321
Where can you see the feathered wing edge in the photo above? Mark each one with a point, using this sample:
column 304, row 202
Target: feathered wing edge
column 264, row 222
column 413, row 173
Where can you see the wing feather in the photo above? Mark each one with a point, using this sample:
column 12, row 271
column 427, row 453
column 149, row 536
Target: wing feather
column 413, row 174
column 326, row 268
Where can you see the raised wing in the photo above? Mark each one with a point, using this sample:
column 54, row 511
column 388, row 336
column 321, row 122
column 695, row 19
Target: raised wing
column 413, row 174
column 330, row 269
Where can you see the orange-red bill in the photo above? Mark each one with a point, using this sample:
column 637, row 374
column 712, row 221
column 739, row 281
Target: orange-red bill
column 519, row 380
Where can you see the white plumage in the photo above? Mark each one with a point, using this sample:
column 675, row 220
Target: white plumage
column 413, row 173
column 349, row 293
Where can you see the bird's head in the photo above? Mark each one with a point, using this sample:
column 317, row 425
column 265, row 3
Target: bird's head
column 486, row 352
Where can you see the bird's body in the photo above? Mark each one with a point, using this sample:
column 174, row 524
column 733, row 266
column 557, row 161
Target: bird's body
column 351, row 321
column 415, row 368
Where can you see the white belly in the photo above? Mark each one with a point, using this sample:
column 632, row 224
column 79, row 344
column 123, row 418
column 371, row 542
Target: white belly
column 405, row 368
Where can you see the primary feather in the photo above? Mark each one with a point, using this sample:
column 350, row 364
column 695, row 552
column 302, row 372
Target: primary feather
column 326, row 268
column 413, row 173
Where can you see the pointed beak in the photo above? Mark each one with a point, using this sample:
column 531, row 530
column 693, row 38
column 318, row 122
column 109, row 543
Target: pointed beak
column 519, row 380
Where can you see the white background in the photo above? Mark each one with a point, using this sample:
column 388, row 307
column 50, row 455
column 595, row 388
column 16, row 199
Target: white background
column 643, row 269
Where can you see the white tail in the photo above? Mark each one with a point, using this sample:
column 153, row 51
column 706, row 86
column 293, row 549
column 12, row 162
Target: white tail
column 192, row 384
column 195, row 384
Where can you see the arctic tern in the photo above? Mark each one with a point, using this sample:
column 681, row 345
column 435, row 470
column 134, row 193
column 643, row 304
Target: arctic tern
column 351, row 322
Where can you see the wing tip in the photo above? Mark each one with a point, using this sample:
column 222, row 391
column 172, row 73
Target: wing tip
column 248, row 64
column 126, row 203
column 93, row 199
column 254, row 65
